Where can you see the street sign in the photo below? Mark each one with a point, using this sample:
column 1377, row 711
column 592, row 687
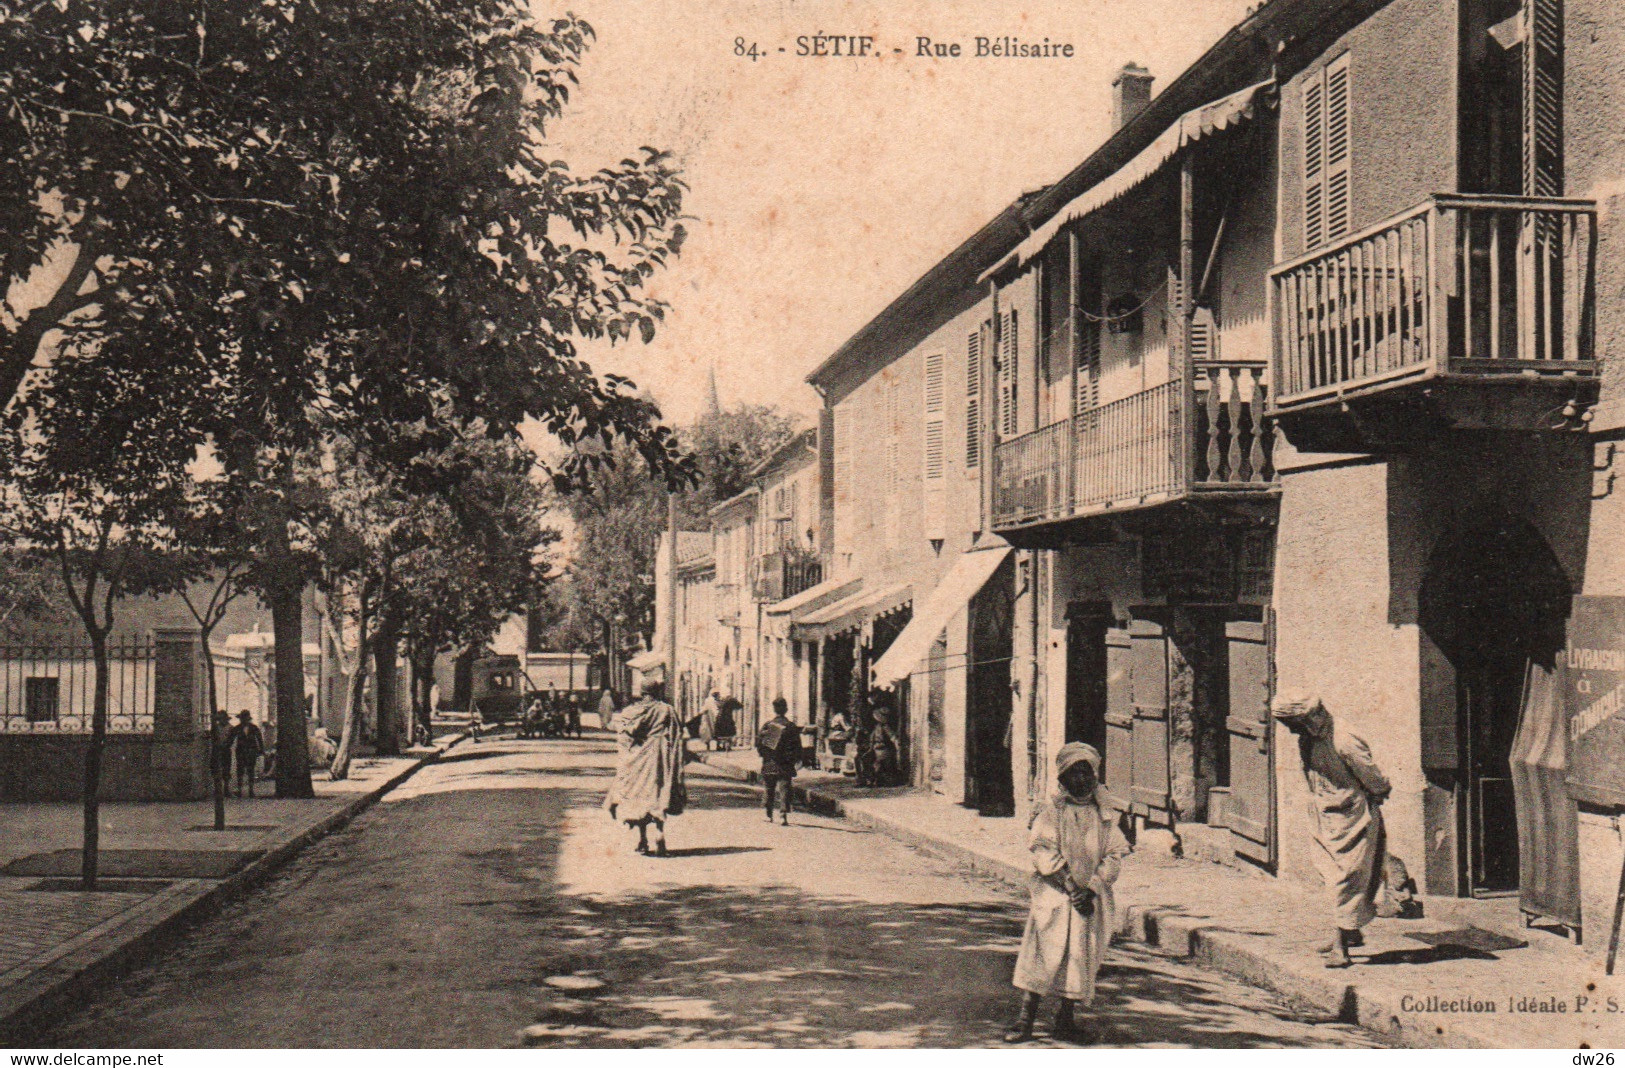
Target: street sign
column 1592, row 674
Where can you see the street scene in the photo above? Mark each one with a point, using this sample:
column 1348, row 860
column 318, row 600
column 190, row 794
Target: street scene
column 822, row 525
column 516, row 915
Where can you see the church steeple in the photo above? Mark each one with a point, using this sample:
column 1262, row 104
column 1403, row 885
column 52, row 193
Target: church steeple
column 713, row 403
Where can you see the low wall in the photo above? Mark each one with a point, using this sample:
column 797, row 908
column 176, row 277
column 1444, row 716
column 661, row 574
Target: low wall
column 38, row 767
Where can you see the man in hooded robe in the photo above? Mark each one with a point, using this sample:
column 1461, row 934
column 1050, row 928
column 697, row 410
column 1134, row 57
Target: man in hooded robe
column 648, row 785
column 1077, row 851
column 1346, row 792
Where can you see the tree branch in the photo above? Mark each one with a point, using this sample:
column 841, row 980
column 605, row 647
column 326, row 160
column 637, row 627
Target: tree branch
column 24, row 346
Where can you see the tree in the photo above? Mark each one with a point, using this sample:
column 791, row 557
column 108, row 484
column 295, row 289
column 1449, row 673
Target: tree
column 620, row 510
column 99, row 473
column 352, row 206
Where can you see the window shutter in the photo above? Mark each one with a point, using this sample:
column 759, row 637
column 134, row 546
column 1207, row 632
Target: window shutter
column 1543, row 98
column 973, row 400
column 1326, row 144
column 843, row 478
column 1314, row 187
column 1006, row 363
column 1337, row 148
column 935, row 449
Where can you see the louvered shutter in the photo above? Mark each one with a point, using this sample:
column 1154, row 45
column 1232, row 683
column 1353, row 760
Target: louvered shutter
column 1543, row 98
column 1007, row 375
column 935, row 459
column 1337, row 148
column 844, row 503
column 1326, row 144
column 973, row 400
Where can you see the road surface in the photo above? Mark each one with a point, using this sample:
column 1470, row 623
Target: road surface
column 490, row 902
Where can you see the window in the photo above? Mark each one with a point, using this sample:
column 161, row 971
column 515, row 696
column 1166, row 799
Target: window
column 1005, row 364
column 1326, row 154
column 973, row 400
column 934, row 452
column 41, row 696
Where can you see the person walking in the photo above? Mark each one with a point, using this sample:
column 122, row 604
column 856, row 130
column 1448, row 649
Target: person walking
column 247, row 746
column 573, row 715
column 778, row 743
column 1346, row 792
column 1077, row 850
column 648, row 787
column 709, row 709
column 726, row 728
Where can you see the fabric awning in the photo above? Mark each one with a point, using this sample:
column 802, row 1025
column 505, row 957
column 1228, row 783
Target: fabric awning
column 647, row 660
column 851, row 612
column 967, row 575
column 814, row 597
column 1191, row 127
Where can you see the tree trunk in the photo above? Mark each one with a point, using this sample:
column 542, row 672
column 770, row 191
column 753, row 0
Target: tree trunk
column 353, row 702
column 386, row 646
column 287, row 627
column 423, row 689
column 217, row 774
column 89, row 854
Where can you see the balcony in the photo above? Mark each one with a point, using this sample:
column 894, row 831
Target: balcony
column 1464, row 312
column 1132, row 453
column 782, row 574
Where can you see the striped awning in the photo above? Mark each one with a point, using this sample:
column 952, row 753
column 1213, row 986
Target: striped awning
column 1191, row 127
column 851, row 612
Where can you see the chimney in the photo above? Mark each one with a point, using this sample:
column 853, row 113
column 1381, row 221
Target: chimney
column 1131, row 92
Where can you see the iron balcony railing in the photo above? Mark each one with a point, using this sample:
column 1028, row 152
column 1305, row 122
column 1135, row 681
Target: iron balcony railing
column 1131, row 453
column 782, row 574
column 1457, row 285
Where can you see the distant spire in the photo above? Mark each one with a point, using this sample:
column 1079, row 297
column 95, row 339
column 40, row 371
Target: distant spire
column 713, row 404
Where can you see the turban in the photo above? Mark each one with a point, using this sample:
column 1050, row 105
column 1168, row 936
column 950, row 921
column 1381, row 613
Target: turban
column 1074, row 753
column 1296, row 706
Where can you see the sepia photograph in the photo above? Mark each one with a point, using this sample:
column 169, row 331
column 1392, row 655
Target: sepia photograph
column 634, row 525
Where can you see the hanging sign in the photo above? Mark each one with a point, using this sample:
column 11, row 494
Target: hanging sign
column 1591, row 670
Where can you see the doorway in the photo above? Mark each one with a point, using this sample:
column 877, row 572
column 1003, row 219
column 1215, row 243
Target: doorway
column 1493, row 600
column 990, row 785
column 1087, row 624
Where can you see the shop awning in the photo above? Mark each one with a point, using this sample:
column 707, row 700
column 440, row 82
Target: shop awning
column 1191, row 127
column 851, row 612
column 814, row 597
column 968, row 574
column 647, row 661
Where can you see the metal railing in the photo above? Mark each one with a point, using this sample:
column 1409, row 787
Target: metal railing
column 1130, row 452
column 1459, row 284
column 49, row 689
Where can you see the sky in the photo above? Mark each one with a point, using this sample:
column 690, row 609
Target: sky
column 822, row 187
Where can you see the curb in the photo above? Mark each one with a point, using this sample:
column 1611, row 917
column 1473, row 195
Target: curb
column 1178, row 936
column 147, row 928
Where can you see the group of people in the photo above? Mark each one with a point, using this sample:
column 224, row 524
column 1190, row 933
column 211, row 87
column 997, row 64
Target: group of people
column 239, row 748
column 716, row 721
column 871, row 749
column 1075, row 837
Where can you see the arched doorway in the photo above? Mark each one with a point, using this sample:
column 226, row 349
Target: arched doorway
column 1493, row 601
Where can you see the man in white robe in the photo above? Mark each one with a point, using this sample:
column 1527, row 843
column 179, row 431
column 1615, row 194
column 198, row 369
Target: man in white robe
column 1077, row 851
column 1346, row 792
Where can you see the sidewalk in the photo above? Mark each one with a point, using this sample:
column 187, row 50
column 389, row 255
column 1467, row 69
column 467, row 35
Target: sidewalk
column 162, row 866
column 1548, row 994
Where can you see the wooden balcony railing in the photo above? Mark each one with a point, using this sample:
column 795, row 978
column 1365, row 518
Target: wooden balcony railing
column 1130, row 453
column 1458, row 285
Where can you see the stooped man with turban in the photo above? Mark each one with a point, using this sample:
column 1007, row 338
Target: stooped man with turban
column 1346, row 792
column 1077, row 850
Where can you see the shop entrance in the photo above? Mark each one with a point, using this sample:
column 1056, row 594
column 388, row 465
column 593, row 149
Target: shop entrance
column 990, row 784
column 1087, row 624
column 1493, row 601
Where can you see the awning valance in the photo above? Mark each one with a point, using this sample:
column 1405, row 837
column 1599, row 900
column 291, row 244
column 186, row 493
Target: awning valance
column 1191, row 127
column 851, row 612
column 814, row 597
column 967, row 575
